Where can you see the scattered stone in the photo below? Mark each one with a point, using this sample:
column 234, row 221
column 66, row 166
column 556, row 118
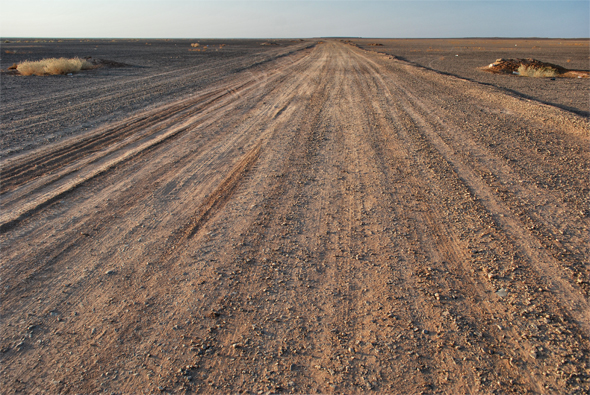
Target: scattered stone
column 109, row 272
column 502, row 292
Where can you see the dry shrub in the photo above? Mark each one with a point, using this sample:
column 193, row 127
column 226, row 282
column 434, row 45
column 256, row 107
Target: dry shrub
column 537, row 72
column 195, row 45
column 53, row 66
column 31, row 68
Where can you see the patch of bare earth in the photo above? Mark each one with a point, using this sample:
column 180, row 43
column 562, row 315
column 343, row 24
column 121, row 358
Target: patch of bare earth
column 338, row 221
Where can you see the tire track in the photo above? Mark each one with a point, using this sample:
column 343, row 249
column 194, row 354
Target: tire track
column 19, row 170
column 20, row 173
column 216, row 199
column 440, row 242
column 318, row 231
column 167, row 125
column 156, row 84
column 575, row 303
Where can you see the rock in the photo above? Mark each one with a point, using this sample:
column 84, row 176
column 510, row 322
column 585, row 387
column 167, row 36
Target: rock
column 109, row 272
column 502, row 292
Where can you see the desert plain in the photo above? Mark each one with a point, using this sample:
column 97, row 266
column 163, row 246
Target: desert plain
column 294, row 216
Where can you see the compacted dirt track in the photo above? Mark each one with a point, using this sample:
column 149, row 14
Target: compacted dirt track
column 335, row 221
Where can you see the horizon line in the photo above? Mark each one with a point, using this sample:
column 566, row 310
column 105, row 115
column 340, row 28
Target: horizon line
column 3, row 38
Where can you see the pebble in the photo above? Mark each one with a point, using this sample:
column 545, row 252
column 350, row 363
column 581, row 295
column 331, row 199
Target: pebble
column 109, row 272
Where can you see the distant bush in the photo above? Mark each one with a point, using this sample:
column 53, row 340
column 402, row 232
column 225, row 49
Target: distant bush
column 53, row 66
column 537, row 72
column 195, row 45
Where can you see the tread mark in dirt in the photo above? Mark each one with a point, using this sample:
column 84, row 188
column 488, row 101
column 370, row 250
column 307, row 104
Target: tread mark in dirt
column 218, row 197
column 21, row 172
column 12, row 218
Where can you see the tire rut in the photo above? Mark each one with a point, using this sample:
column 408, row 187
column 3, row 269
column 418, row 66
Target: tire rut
column 217, row 198
column 576, row 304
column 325, row 229
column 109, row 153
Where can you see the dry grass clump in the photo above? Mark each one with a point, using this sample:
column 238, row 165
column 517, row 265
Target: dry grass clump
column 195, row 45
column 537, row 72
column 53, row 66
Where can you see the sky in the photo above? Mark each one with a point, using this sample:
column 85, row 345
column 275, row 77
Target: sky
column 289, row 19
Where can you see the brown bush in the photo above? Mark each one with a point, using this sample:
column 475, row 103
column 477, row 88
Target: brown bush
column 53, row 66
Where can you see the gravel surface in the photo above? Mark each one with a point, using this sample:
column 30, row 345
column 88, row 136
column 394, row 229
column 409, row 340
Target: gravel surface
column 329, row 221
column 464, row 57
column 40, row 110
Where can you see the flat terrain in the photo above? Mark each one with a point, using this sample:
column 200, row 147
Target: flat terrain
column 464, row 57
column 307, row 217
column 41, row 110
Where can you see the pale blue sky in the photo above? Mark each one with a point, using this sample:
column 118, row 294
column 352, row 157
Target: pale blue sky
column 281, row 18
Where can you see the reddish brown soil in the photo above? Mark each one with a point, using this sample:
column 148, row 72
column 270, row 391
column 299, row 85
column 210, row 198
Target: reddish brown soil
column 331, row 221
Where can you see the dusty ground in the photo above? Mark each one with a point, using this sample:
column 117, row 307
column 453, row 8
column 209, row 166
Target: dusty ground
column 463, row 57
column 41, row 110
column 332, row 220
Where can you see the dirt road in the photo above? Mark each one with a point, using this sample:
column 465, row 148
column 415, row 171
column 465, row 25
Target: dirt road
column 332, row 221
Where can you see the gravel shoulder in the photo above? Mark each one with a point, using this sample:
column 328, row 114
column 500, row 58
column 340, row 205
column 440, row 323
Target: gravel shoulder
column 464, row 58
column 331, row 220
